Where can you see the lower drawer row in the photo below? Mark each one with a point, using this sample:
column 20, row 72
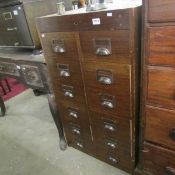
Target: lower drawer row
column 157, row 160
column 104, row 137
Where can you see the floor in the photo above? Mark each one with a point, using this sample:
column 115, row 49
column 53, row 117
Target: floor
column 29, row 143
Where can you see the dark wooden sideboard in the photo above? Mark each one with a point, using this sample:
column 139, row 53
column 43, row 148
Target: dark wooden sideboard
column 93, row 63
column 157, row 151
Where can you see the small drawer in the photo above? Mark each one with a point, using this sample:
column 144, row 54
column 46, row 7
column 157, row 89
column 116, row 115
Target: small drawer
column 105, row 46
column 156, row 131
column 109, row 103
column 161, row 86
column 105, row 127
column 70, row 94
column 158, row 161
column 62, row 46
column 111, row 77
column 67, row 72
column 161, row 11
column 161, row 45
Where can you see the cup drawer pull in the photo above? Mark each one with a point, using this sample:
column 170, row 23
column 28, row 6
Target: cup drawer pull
column 58, row 46
column 110, row 127
column 73, row 114
column 170, row 171
column 79, row 145
column 68, row 94
column 76, row 131
column 113, row 160
column 58, row 49
column 64, row 73
column 105, row 80
column 172, row 134
column 107, row 104
column 103, row 51
column 111, row 144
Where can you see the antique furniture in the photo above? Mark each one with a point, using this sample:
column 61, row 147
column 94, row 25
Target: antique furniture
column 92, row 60
column 17, row 21
column 31, row 70
column 157, row 151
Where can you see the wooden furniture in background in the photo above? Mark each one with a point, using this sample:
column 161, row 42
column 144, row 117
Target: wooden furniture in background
column 157, row 152
column 93, row 64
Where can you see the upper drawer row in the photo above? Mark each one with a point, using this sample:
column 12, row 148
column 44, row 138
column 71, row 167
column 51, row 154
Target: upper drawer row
column 99, row 46
column 161, row 10
column 106, row 20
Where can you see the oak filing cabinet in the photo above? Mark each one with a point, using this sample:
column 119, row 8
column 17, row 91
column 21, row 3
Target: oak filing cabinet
column 93, row 63
column 158, row 92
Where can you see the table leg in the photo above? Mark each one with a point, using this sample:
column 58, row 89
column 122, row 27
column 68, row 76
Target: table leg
column 2, row 107
column 56, row 117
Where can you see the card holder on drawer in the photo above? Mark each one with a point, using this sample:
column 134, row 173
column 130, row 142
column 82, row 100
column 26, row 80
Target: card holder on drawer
column 104, row 77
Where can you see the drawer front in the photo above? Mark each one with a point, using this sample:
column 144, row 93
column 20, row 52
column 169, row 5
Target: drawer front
column 105, row 127
column 119, row 158
column 108, row 103
column 70, row 94
column 62, row 46
column 158, row 161
column 109, row 77
column 161, row 86
column 156, row 131
column 161, row 11
column 161, row 45
column 66, row 72
column 105, row 46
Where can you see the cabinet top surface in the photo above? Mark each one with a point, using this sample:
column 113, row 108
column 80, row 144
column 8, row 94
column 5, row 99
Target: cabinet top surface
column 117, row 5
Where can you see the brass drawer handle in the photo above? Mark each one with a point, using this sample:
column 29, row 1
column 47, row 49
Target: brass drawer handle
column 73, row 114
column 113, row 160
column 111, row 144
column 105, row 80
column 64, row 73
column 68, row 94
column 79, row 145
column 107, row 104
column 76, row 131
column 58, row 46
column 172, row 134
column 103, row 51
column 110, row 127
column 169, row 171
column 58, row 49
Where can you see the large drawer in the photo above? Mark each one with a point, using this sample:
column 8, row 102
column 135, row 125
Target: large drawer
column 110, row 46
column 160, row 126
column 158, row 161
column 161, row 45
column 60, row 45
column 66, row 72
column 161, row 86
column 110, row 77
column 106, row 127
column 161, row 10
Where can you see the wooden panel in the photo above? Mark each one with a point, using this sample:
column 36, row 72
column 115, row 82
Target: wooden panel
column 161, row 45
column 158, row 161
column 83, row 22
column 160, row 126
column 118, row 76
column 161, row 10
column 161, row 86
column 118, row 41
column 64, row 40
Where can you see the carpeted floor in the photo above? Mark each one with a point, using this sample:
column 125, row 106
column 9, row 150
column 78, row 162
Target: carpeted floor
column 29, row 143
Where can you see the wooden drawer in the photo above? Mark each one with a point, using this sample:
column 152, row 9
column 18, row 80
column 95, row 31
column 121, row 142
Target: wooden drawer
column 70, row 94
column 161, row 45
column 160, row 126
column 109, row 103
column 119, row 159
column 108, row 127
column 158, row 161
column 161, row 10
column 105, row 46
column 66, row 72
column 161, row 86
column 61, row 45
column 110, row 77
